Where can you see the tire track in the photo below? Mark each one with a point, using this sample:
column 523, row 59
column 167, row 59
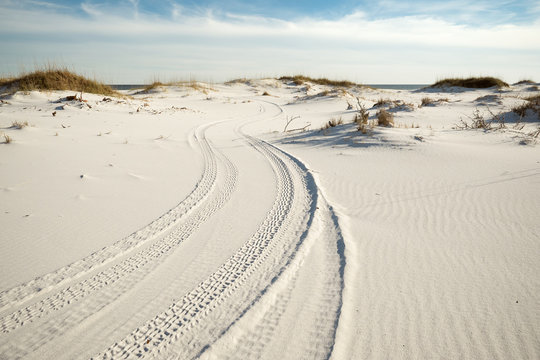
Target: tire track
column 124, row 275
column 201, row 315
column 298, row 306
column 102, row 257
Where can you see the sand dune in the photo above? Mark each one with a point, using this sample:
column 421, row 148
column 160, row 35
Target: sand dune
column 185, row 223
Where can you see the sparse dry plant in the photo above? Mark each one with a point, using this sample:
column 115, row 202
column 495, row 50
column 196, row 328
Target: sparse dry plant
column 161, row 137
column 362, row 116
column 498, row 119
column 427, row 101
column 288, row 121
column 363, row 125
column 535, row 133
column 19, row 125
column 382, row 102
column 384, row 118
column 364, row 128
column 531, row 103
column 477, row 121
column 402, row 105
column 7, row 138
column 333, row 122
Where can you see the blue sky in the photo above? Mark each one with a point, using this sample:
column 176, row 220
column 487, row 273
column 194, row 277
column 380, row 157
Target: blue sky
column 379, row 41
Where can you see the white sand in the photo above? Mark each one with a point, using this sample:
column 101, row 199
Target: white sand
column 183, row 223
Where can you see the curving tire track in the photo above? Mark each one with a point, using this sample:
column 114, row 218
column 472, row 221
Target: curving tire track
column 124, row 274
column 270, row 262
column 190, row 326
column 304, row 304
column 48, row 282
column 201, row 315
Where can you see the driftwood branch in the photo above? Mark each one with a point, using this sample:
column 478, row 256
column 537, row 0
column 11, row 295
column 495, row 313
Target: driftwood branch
column 289, row 120
column 302, row 128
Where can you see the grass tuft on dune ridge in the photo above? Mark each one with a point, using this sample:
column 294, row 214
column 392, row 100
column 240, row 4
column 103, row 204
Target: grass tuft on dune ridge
column 153, row 85
column 532, row 103
column 53, row 78
column 193, row 84
column 300, row 79
column 525, row 82
column 471, row 83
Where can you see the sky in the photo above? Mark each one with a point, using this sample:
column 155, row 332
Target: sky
column 370, row 42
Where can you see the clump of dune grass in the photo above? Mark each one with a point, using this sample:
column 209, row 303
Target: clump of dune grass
column 471, row 83
column 382, row 102
column 525, row 82
column 394, row 104
column 19, row 125
column 53, row 78
column 362, row 116
column 152, row 86
column 384, row 118
column 7, row 138
column 534, row 99
column 238, row 81
column 531, row 103
column 427, row 101
column 202, row 87
column 265, row 93
column 333, row 122
column 362, row 120
column 301, row 79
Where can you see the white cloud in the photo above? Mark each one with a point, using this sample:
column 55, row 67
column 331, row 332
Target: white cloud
column 176, row 11
column 355, row 28
column 234, row 43
column 45, row 4
column 135, row 4
column 90, row 9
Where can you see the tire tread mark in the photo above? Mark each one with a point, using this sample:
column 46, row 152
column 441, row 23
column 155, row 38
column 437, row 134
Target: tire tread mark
column 183, row 319
column 204, row 186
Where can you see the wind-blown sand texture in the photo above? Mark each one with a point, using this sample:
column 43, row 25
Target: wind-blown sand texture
column 183, row 222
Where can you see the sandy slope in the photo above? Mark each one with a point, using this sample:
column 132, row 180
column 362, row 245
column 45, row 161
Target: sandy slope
column 184, row 223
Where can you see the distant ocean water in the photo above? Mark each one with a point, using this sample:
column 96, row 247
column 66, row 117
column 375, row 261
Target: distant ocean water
column 377, row 86
column 127, row 87
column 398, row 86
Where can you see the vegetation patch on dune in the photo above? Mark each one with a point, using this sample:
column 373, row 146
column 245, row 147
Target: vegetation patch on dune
column 333, row 122
column 525, row 82
column 56, row 79
column 531, row 103
column 384, row 118
column 426, row 101
column 152, row 86
column 301, row 79
column 471, row 83
column 202, row 87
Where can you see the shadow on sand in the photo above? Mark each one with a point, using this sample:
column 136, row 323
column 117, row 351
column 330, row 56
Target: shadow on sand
column 345, row 135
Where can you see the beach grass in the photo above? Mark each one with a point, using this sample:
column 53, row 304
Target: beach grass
column 56, row 78
column 301, row 79
column 471, row 83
